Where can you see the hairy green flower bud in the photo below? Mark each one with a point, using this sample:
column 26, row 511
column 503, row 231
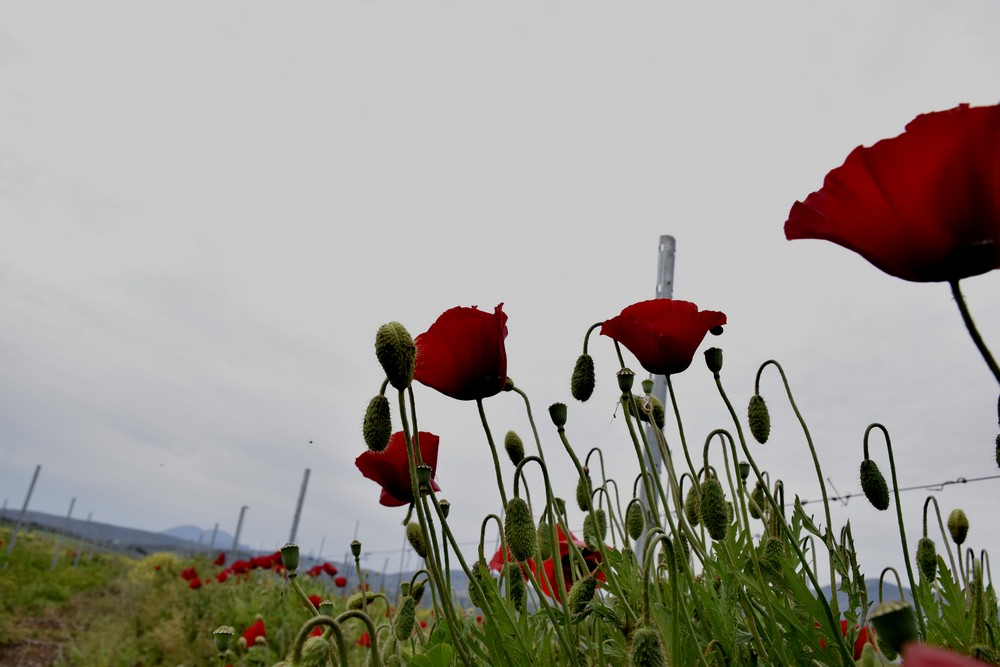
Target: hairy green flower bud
column 582, row 384
column 713, row 358
column 557, row 412
column 395, row 350
column 360, row 599
column 417, row 590
column 772, row 553
column 647, row 649
column 581, row 594
column 758, row 501
column 927, row 558
column 656, row 412
column 692, row 506
column 514, row 446
column 759, row 419
column 895, row 624
column 481, row 573
column 315, row 652
column 406, row 616
column 415, row 536
column 583, row 491
column 377, row 426
column 714, row 513
column 635, row 522
column 874, row 486
column 544, row 534
column 958, row 526
column 519, row 528
column 517, row 590
column 290, row 557
column 595, row 528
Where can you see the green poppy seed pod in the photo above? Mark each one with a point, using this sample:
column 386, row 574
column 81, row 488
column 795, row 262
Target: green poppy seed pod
column 581, row 594
column 223, row 636
column 404, row 588
column 355, row 548
column 759, row 419
column 517, row 590
column 958, row 526
column 582, row 384
column 326, row 608
column 647, row 386
column 290, row 557
column 583, row 491
column 757, row 501
column 519, row 528
column 377, row 426
column 424, row 476
column 406, row 616
column 635, row 522
column 315, row 652
column 626, row 379
column 883, row 646
column 714, row 513
column 544, row 534
column 895, row 624
column 713, row 357
column 744, row 471
column 927, row 558
column 417, row 590
column 415, row 536
column 874, row 486
column 395, row 350
column 692, row 506
column 557, row 411
column 514, row 446
column 445, row 508
column 647, row 649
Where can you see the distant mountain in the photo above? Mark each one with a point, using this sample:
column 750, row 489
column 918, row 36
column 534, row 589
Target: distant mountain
column 223, row 541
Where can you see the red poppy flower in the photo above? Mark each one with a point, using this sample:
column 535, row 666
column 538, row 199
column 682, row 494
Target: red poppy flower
column 220, row 560
column 663, row 334
column 222, row 576
column 391, row 467
column 329, row 569
column 916, row 654
column 859, row 643
column 922, row 206
column 315, row 600
column 340, row 582
column 240, row 567
column 194, row 584
column 317, row 631
column 364, row 640
column 189, row 573
column 462, row 355
column 254, row 631
column 548, row 582
column 315, row 571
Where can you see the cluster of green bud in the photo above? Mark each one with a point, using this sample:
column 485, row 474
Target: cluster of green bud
column 647, row 648
column 874, row 486
column 582, row 384
column 958, row 526
column 713, row 511
column 377, row 426
column 927, row 558
column 415, row 536
column 581, row 594
column 635, row 522
column 514, row 446
column 406, row 616
column 519, row 529
column 395, row 350
column 759, row 419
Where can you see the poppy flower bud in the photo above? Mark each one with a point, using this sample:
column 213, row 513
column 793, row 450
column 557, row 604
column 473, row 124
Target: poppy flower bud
column 519, row 528
column 772, row 553
column 626, row 379
column 874, row 486
column 377, row 426
column 635, row 522
column 595, row 528
column 582, row 384
column 514, row 446
column 290, row 557
column 359, row 600
column 315, row 652
column 692, row 508
column 656, row 412
column 223, row 636
column 713, row 357
column 417, row 590
column 395, row 350
column 517, row 591
column 481, row 573
column 757, row 501
column 647, row 649
column 895, row 624
column 355, row 548
column 958, row 526
column 544, row 535
column 557, row 411
column 927, row 558
column 759, row 419
column 406, row 616
column 714, row 513
column 583, row 490
column 581, row 594
column 415, row 536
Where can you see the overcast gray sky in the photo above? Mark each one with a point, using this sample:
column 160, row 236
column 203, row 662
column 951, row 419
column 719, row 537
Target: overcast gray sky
column 209, row 208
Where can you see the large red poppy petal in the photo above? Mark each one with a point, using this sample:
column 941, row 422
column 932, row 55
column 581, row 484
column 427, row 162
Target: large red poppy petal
column 462, row 354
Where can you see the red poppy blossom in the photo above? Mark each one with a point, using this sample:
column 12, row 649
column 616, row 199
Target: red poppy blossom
column 462, row 355
column 194, row 584
column 189, row 573
column 220, row 559
column 330, row 569
column 222, row 576
column 548, row 583
column 663, row 334
column 254, row 631
column 365, row 639
column 864, row 637
column 316, row 601
column 922, row 206
column 315, row 571
column 340, row 582
column 391, row 467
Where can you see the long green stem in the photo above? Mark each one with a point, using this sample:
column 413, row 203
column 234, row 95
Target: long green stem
column 493, row 451
column 973, row 331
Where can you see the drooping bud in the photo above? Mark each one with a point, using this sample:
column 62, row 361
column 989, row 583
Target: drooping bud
column 223, row 636
column 714, row 514
column 692, row 506
column 582, row 384
column 656, row 412
column 595, row 528
column 481, row 573
column 557, row 411
column 583, row 491
column 417, row 590
column 927, row 558
column 514, row 446
column 517, row 590
column 874, row 486
column 290, row 557
column 581, row 594
column 757, row 501
column 772, row 553
column 395, row 350
column 359, row 600
column 713, row 358
column 519, row 529
column 647, row 649
column 415, row 536
column 315, row 652
column 895, row 624
column 406, row 616
column 759, row 418
column 377, row 426
column 958, row 526
column 635, row 522
column 544, row 534
column 626, row 379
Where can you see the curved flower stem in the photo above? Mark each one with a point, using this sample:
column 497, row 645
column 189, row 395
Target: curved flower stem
column 531, row 420
column 334, row 628
column 899, row 520
column 372, row 633
column 973, row 331
column 493, row 451
column 698, row 544
column 680, row 427
column 944, row 533
column 819, row 473
column 301, row 594
column 899, row 584
column 984, row 560
column 611, row 515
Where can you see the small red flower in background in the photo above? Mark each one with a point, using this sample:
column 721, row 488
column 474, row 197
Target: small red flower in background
column 340, row 582
column 391, row 467
column 462, row 354
column 254, row 631
column 267, row 562
column 316, row 601
column 329, row 569
column 663, row 334
column 916, row 654
column 220, row 560
column 240, row 567
column 189, row 573
column 364, row 639
column 315, row 571
column 222, row 576
column 864, row 637
column 922, row 206
column 194, row 584
column 317, row 631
